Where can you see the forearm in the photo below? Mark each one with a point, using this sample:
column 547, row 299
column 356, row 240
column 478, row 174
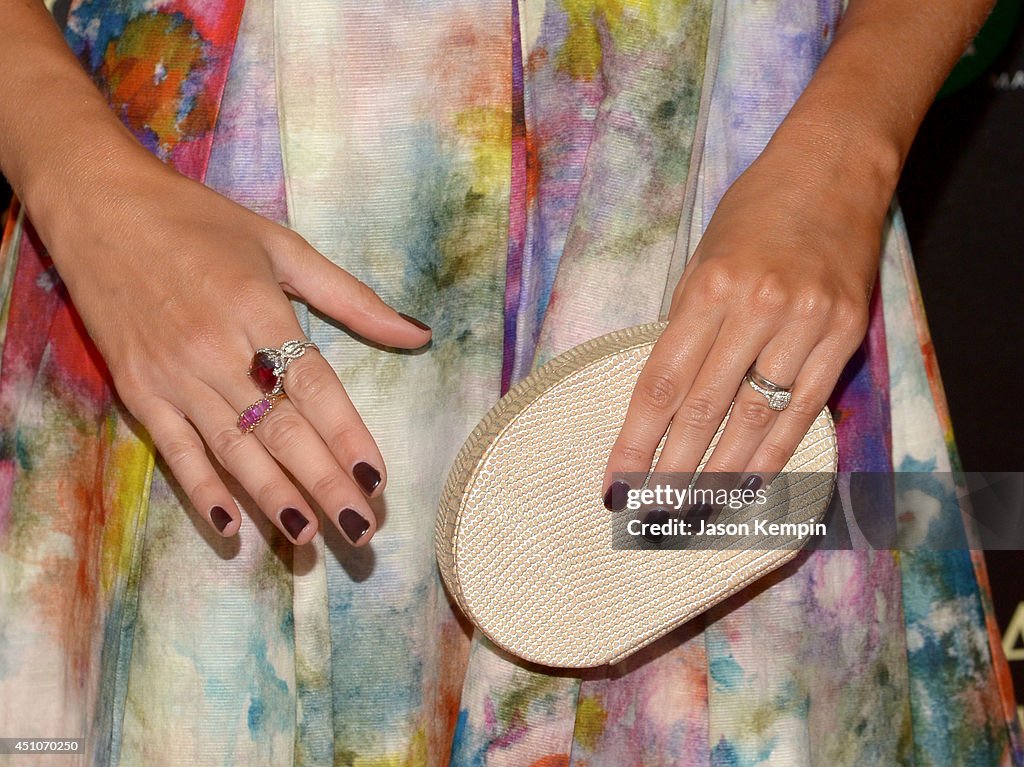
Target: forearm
column 57, row 133
column 856, row 120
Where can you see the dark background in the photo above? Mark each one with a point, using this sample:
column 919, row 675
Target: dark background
column 961, row 193
column 961, row 196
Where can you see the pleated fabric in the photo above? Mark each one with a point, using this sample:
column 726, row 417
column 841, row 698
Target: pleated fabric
column 522, row 176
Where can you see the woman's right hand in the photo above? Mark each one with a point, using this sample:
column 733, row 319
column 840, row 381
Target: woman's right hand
column 178, row 286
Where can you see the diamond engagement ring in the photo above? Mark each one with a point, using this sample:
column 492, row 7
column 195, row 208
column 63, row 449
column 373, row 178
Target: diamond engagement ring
column 267, row 370
column 778, row 396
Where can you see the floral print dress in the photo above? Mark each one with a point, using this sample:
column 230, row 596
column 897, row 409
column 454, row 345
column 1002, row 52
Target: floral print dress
column 522, row 176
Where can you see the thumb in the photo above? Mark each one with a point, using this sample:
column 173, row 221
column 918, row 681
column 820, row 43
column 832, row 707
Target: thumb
column 308, row 274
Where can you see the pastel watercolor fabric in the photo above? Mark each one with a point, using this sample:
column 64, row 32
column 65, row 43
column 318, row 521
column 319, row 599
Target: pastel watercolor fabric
column 522, row 176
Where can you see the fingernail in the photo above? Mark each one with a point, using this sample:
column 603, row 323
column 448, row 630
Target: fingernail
column 615, row 496
column 353, row 523
column 751, row 483
column 220, row 518
column 414, row 321
column 656, row 517
column 699, row 513
column 293, row 522
column 367, row 476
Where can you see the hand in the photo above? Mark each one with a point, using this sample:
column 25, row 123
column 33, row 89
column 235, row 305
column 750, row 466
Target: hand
column 178, row 286
column 781, row 280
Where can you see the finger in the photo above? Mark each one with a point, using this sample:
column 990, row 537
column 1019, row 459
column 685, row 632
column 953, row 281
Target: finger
column 811, row 391
column 707, row 400
column 246, row 459
column 179, row 444
column 316, row 393
column 316, row 279
column 339, row 485
column 751, row 418
column 659, row 391
column 295, row 444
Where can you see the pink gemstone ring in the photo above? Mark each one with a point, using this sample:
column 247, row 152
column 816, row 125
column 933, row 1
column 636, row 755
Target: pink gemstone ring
column 267, row 372
column 250, row 418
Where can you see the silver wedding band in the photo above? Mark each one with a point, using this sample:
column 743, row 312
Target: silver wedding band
column 778, row 397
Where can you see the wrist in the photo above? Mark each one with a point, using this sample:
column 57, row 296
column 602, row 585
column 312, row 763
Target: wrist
column 841, row 160
column 84, row 180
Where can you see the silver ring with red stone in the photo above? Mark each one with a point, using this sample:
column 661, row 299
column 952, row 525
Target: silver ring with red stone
column 267, row 372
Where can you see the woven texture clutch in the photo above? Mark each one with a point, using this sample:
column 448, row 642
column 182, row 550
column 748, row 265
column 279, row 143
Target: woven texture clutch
column 530, row 554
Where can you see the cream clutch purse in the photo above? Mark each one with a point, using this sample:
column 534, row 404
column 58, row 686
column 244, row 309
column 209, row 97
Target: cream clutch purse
column 533, row 558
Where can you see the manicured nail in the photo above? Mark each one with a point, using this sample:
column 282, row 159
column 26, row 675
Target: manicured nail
column 367, row 476
column 698, row 513
column 353, row 523
column 656, row 517
column 220, row 518
column 615, row 496
column 751, row 483
column 293, row 522
column 414, row 321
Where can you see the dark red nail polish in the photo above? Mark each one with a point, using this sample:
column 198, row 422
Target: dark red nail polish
column 616, row 495
column 353, row 523
column 220, row 518
column 656, row 517
column 367, row 476
column 293, row 522
column 414, row 321
column 751, row 483
column 699, row 513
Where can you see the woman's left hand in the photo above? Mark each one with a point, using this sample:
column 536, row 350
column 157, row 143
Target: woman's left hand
column 781, row 280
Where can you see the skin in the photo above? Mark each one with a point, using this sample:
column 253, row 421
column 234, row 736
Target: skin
column 782, row 277
column 105, row 207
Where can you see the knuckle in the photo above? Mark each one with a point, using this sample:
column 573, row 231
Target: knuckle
column 199, row 335
column 698, row 412
column 249, row 290
column 769, row 294
column 328, row 487
column 658, row 390
column 128, row 380
column 289, row 253
column 632, row 455
column 227, row 443
column 269, row 493
column 204, row 488
column 292, row 240
column 851, row 318
column 811, row 304
column 132, row 378
column 776, row 454
column 714, row 283
column 803, row 408
column 132, row 395
column 306, row 381
column 756, row 414
column 340, row 440
column 364, row 295
column 178, row 451
column 282, row 431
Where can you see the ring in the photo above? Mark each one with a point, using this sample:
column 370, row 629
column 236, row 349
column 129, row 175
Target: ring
column 778, row 396
column 267, row 370
column 269, row 365
column 250, row 418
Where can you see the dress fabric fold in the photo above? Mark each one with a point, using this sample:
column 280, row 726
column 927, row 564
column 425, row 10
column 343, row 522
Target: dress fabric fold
column 522, row 176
